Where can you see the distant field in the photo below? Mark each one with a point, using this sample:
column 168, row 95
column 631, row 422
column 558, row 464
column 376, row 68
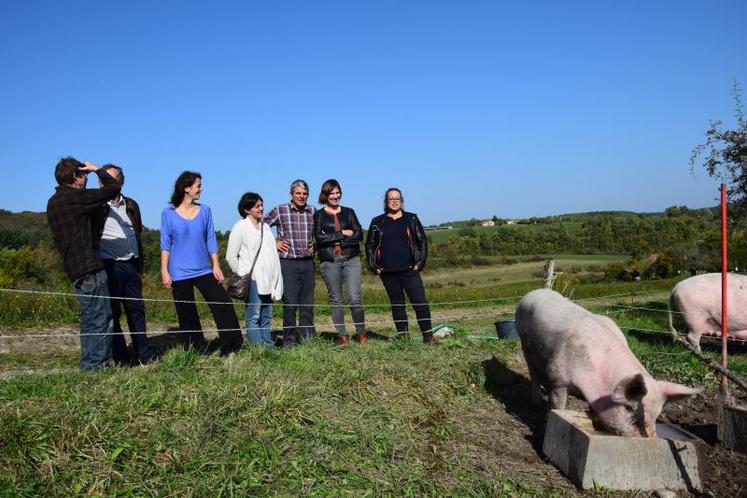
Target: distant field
column 443, row 285
column 572, row 227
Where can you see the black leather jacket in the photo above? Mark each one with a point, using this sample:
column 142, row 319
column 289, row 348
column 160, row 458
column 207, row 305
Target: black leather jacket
column 326, row 237
column 416, row 241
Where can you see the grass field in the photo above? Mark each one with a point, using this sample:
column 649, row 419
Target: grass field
column 24, row 311
column 393, row 418
column 572, row 227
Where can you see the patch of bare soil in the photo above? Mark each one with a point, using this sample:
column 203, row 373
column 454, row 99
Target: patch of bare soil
column 723, row 472
column 517, row 439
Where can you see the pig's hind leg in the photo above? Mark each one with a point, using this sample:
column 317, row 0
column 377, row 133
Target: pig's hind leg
column 535, row 392
column 697, row 326
column 558, row 398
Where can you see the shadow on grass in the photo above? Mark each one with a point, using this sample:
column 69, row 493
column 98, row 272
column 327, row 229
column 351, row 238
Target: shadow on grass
column 277, row 337
column 707, row 343
column 163, row 343
column 513, row 390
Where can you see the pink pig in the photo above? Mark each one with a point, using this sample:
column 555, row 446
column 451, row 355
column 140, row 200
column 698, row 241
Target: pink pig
column 698, row 298
column 571, row 351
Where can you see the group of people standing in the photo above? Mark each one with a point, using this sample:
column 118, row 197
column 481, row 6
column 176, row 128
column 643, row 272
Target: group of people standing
column 97, row 231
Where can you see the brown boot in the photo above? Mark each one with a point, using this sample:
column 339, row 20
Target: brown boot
column 428, row 338
column 343, row 340
column 362, row 338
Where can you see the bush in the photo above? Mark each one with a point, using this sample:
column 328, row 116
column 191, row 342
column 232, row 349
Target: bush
column 476, row 260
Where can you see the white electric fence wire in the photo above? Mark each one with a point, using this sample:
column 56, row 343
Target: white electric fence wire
column 327, row 327
column 433, row 318
column 238, row 303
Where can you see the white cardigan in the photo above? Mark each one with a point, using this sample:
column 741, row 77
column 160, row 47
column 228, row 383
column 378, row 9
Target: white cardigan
column 242, row 247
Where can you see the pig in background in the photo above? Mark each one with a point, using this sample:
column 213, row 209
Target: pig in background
column 571, row 351
column 698, row 299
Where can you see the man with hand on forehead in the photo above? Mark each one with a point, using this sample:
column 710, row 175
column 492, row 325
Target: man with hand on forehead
column 74, row 215
column 294, row 223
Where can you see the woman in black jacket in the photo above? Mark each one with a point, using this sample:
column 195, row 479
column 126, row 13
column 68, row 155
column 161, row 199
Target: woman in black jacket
column 396, row 249
column 338, row 234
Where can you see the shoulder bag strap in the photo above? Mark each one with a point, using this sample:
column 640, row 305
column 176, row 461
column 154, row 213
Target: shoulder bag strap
column 261, row 236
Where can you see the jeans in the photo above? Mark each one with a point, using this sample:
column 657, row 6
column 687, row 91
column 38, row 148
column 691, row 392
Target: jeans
column 229, row 330
column 258, row 315
column 95, row 321
column 397, row 284
column 124, row 281
column 344, row 270
column 298, row 294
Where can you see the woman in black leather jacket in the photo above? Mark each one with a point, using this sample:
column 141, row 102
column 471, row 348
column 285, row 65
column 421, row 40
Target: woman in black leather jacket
column 338, row 234
column 396, row 250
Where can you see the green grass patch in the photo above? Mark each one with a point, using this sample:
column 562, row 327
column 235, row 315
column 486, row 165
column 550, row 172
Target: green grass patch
column 315, row 420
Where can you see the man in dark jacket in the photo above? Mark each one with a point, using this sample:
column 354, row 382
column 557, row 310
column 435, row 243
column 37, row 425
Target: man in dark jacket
column 121, row 250
column 74, row 217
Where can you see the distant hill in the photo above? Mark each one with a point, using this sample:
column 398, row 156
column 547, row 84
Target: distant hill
column 25, row 220
column 588, row 216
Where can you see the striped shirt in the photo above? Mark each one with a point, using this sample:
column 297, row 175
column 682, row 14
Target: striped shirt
column 296, row 227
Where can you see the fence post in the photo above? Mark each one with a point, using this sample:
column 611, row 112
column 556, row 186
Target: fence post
column 724, row 271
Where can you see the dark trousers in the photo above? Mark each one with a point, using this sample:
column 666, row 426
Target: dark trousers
column 396, row 285
column 298, row 295
column 124, row 281
column 229, row 331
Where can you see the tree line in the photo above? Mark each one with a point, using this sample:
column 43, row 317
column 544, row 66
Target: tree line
column 680, row 240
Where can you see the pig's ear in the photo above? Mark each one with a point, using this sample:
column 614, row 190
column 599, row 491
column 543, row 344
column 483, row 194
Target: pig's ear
column 630, row 391
column 673, row 392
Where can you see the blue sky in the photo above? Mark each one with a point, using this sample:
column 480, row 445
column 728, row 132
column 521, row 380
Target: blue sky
column 472, row 108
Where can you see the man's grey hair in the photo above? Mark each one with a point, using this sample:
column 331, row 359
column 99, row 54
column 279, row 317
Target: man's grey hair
column 299, row 183
column 107, row 167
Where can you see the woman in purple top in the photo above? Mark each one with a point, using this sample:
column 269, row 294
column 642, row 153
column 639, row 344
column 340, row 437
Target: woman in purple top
column 189, row 259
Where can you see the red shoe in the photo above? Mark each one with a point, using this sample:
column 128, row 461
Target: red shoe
column 343, row 340
column 362, row 338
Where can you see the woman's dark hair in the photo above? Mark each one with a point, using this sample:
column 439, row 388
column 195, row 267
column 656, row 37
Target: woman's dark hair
column 248, row 201
column 402, row 198
column 186, row 179
column 327, row 188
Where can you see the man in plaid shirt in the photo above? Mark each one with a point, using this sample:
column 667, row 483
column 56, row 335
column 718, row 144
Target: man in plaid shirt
column 294, row 223
column 75, row 216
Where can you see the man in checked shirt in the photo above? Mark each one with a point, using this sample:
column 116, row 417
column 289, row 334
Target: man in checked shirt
column 74, row 217
column 294, row 223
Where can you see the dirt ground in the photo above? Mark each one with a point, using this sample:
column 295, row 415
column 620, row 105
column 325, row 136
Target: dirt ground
column 723, row 472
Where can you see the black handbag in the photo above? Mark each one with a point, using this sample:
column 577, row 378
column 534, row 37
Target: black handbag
column 237, row 286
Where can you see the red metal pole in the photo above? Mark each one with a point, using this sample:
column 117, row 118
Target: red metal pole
column 724, row 271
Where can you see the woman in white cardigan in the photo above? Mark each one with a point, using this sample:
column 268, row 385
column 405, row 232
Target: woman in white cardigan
column 266, row 284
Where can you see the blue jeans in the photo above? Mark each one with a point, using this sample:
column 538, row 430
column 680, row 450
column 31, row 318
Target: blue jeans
column 258, row 315
column 96, row 320
column 345, row 271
